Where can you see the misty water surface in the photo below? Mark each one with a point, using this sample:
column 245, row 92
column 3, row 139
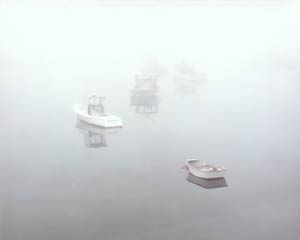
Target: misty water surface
column 242, row 111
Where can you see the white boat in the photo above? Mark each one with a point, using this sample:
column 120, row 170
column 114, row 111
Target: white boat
column 94, row 114
column 204, row 170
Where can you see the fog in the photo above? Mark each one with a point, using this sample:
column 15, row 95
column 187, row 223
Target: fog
column 240, row 108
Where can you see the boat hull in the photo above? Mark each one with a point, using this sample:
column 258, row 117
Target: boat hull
column 207, row 183
column 106, row 121
column 206, row 175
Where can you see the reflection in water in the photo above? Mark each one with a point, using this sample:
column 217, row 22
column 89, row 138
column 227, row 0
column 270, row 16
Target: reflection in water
column 187, row 79
column 94, row 137
column 207, row 183
column 145, row 96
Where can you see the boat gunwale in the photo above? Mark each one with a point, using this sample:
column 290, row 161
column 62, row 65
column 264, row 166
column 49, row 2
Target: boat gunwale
column 189, row 165
column 79, row 111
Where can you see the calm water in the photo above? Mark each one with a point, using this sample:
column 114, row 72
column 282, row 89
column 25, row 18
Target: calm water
column 55, row 184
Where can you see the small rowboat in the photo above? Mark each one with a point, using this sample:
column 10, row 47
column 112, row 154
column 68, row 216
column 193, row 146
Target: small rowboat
column 204, row 170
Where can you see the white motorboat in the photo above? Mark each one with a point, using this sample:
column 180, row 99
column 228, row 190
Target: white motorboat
column 94, row 114
column 204, row 170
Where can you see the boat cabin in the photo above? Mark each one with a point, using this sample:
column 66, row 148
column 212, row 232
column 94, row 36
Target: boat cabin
column 146, row 81
column 95, row 105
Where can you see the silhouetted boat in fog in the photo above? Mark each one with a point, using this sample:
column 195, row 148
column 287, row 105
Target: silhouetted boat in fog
column 204, row 170
column 145, row 95
column 94, row 114
column 186, row 78
column 207, row 183
column 145, row 84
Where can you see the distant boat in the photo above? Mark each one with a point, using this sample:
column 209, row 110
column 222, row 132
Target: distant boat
column 145, row 95
column 145, row 84
column 186, row 78
column 204, row 170
column 94, row 114
column 207, row 183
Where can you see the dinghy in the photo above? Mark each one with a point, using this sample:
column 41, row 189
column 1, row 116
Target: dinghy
column 94, row 114
column 204, row 170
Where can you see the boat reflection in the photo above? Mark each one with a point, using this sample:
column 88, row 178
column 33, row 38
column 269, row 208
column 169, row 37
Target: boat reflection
column 187, row 79
column 145, row 95
column 95, row 137
column 207, row 183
